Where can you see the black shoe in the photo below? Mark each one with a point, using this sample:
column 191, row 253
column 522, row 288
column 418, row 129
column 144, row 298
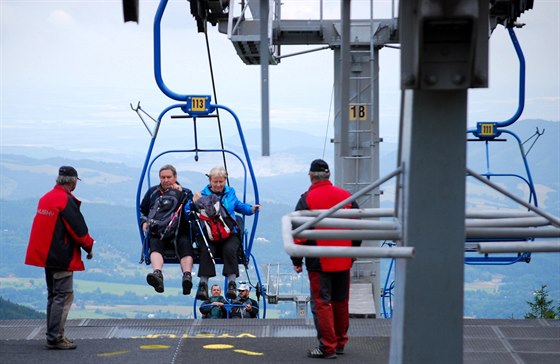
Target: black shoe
column 317, row 353
column 202, row 292
column 340, row 351
column 155, row 280
column 231, row 290
column 187, row 283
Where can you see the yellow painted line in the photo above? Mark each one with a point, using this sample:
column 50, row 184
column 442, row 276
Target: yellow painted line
column 218, row 346
column 196, row 336
column 247, row 352
column 246, row 335
column 154, row 347
column 114, row 353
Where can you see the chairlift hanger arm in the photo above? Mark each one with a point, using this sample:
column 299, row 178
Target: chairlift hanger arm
column 491, row 129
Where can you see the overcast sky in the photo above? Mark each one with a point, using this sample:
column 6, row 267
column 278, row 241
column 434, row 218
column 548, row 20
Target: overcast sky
column 70, row 69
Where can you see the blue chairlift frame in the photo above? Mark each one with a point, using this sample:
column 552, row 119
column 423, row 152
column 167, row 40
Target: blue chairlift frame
column 247, row 237
column 186, row 106
column 490, row 131
column 486, row 131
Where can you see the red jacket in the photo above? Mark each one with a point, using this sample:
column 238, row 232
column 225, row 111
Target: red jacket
column 58, row 232
column 322, row 196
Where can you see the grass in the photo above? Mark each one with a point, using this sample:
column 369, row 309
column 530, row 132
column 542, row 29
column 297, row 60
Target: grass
column 131, row 311
column 118, row 289
column 101, row 311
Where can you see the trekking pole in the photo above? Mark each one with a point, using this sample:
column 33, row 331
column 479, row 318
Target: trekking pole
column 205, row 241
column 170, row 224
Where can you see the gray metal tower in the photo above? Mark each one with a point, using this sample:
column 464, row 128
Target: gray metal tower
column 355, row 45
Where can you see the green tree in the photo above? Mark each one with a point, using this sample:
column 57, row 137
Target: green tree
column 541, row 307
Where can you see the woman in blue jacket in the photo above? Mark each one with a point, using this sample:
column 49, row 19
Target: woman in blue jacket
column 228, row 247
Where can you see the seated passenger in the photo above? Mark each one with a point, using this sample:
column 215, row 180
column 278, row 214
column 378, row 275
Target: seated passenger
column 226, row 248
column 213, row 307
column 249, row 308
column 168, row 182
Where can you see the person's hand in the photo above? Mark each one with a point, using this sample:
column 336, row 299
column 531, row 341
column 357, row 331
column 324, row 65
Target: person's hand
column 197, row 196
column 298, row 268
column 255, row 208
column 89, row 255
column 144, row 227
column 248, row 307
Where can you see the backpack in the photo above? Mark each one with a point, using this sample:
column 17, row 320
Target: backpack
column 216, row 221
column 165, row 214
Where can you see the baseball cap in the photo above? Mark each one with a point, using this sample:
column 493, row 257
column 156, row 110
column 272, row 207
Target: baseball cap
column 243, row 287
column 319, row 165
column 68, row 171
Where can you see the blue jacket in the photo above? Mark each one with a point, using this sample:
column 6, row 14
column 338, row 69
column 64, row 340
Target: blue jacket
column 230, row 201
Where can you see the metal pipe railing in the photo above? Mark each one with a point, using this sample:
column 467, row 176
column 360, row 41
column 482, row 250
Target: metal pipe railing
column 512, row 233
column 508, row 222
column 519, row 247
column 553, row 219
column 295, row 250
column 349, row 224
column 349, row 200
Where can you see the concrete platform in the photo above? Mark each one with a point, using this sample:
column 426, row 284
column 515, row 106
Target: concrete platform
column 261, row 341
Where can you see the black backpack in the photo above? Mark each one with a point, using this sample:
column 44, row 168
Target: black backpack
column 165, row 215
column 217, row 223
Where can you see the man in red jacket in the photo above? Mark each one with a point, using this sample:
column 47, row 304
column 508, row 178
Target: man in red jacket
column 329, row 278
column 58, row 233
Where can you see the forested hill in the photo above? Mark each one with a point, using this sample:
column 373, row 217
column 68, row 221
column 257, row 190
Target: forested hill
column 12, row 311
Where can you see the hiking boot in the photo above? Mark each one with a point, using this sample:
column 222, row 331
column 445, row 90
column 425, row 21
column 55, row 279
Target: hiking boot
column 155, row 280
column 231, row 290
column 61, row 345
column 202, row 292
column 187, row 283
column 317, row 353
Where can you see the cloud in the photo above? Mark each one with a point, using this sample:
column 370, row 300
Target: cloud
column 61, row 19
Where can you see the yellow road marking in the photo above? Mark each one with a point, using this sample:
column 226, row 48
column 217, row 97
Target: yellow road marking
column 154, row 347
column 196, row 336
column 218, row 346
column 114, row 353
column 247, row 352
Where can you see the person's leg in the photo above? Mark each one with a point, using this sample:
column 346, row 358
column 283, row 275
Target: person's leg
column 339, row 300
column 66, row 284
column 320, row 286
column 52, row 332
column 60, row 301
column 230, row 247
column 186, row 264
column 157, row 261
column 185, row 250
column 155, row 279
column 202, row 291
column 206, row 269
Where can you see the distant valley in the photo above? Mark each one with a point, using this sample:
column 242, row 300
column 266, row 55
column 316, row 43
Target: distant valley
column 108, row 191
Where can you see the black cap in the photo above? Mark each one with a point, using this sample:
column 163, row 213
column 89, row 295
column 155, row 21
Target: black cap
column 319, row 165
column 68, row 171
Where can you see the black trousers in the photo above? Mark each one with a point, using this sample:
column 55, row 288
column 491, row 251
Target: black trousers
column 226, row 250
